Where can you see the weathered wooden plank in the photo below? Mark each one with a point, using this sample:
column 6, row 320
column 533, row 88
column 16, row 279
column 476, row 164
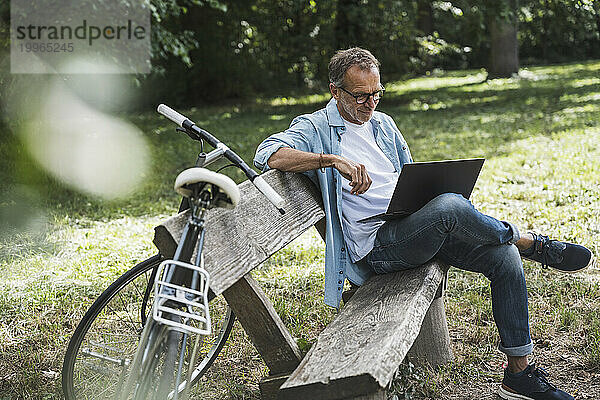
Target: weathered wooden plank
column 263, row 325
column 238, row 240
column 359, row 352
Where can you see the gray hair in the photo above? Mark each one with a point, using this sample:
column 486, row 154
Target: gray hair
column 342, row 60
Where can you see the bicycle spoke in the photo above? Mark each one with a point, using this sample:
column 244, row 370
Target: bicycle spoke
column 125, row 308
column 114, row 312
column 139, row 293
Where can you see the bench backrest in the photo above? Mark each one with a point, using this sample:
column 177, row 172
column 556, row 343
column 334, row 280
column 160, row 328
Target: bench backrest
column 239, row 240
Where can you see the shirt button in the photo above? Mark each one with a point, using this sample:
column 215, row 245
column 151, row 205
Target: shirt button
column 342, row 249
column 341, row 272
column 340, row 282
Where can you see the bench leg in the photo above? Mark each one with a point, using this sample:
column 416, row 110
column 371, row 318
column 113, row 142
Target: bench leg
column 432, row 346
column 263, row 325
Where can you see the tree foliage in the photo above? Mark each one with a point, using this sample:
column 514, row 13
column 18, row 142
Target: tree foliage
column 205, row 50
column 236, row 47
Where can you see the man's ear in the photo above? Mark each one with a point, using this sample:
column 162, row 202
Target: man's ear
column 334, row 91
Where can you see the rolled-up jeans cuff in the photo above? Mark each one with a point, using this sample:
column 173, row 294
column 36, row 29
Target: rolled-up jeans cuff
column 516, row 235
column 519, row 351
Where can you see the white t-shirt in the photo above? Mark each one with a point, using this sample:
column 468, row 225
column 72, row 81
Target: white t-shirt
column 358, row 144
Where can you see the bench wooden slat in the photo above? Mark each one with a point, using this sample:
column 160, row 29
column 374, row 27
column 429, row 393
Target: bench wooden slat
column 359, row 352
column 239, row 240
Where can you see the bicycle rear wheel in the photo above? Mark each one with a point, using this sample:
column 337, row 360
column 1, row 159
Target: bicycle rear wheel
column 100, row 351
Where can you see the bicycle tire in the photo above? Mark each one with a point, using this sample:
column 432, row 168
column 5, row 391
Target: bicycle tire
column 153, row 378
column 166, row 382
column 100, row 378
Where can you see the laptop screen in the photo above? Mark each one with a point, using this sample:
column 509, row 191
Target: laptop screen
column 420, row 182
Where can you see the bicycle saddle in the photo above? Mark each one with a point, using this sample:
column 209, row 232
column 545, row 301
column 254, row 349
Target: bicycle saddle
column 228, row 196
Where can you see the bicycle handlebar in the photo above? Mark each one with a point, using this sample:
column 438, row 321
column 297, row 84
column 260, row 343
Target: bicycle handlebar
column 171, row 114
column 255, row 178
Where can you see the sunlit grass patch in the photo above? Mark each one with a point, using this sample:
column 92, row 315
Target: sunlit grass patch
column 540, row 134
column 291, row 101
column 445, row 80
column 293, row 279
column 592, row 343
column 548, row 185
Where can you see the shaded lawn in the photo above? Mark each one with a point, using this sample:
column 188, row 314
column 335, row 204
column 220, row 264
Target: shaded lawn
column 540, row 135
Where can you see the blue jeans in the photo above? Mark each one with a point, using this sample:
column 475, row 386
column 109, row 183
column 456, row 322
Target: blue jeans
column 450, row 229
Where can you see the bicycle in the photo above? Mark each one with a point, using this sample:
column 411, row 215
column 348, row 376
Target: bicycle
column 123, row 348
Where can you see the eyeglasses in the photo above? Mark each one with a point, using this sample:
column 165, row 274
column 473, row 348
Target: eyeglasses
column 364, row 97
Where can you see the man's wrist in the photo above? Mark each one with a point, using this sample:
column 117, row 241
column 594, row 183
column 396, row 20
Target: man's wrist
column 327, row 160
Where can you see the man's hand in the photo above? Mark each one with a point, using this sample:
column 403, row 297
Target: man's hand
column 356, row 173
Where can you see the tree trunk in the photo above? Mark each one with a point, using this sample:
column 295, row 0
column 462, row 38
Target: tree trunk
column 597, row 14
column 504, row 48
column 348, row 30
column 424, row 17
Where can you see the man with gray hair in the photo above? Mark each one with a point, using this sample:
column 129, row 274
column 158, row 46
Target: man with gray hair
column 354, row 154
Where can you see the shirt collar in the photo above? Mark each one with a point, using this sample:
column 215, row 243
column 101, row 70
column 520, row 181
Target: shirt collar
column 335, row 119
column 333, row 114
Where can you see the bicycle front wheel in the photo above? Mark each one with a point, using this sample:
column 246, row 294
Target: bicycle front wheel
column 100, row 352
column 152, row 375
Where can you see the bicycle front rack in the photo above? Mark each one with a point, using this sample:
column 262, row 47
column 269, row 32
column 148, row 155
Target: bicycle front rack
column 194, row 303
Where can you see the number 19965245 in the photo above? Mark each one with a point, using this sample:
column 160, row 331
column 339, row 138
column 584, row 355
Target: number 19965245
column 46, row 47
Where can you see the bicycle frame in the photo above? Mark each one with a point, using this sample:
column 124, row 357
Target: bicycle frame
column 134, row 351
column 180, row 282
column 202, row 160
column 176, row 274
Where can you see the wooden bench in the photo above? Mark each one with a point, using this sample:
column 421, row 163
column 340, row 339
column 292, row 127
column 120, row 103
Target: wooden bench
column 357, row 355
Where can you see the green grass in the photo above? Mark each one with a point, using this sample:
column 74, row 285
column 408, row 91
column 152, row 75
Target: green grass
column 540, row 135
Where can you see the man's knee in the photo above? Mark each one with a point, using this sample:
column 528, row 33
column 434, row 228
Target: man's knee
column 449, row 203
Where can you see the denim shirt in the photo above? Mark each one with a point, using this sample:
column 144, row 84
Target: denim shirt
column 321, row 132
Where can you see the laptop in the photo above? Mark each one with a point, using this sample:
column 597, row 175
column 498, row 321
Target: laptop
column 421, row 182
